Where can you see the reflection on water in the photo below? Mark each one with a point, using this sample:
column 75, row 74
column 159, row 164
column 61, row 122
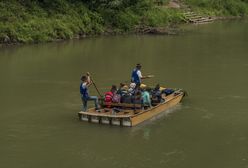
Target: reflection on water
column 39, row 97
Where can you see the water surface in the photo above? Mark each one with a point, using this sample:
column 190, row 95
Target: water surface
column 39, row 98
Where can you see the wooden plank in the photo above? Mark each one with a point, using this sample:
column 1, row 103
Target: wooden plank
column 105, row 115
column 130, row 105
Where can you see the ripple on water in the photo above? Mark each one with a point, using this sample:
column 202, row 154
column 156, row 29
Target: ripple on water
column 231, row 97
column 208, row 116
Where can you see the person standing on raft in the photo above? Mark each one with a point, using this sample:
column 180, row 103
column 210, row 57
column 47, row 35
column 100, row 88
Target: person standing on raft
column 137, row 76
column 84, row 91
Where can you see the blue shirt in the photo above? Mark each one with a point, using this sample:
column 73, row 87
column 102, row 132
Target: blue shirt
column 135, row 77
column 84, row 90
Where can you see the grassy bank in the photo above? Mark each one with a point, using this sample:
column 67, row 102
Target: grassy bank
column 220, row 7
column 28, row 21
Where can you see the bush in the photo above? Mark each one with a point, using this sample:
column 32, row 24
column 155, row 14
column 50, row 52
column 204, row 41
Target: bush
column 125, row 20
column 39, row 21
column 155, row 17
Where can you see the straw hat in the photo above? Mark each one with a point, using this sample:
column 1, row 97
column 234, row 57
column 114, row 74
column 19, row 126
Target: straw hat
column 143, row 86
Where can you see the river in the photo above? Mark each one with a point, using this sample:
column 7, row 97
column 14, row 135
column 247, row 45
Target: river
column 39, row 101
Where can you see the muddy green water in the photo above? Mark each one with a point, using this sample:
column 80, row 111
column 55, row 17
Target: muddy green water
column 39, row 101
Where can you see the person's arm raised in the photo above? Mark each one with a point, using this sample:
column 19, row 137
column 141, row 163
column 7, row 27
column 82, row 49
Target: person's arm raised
column 89, row 81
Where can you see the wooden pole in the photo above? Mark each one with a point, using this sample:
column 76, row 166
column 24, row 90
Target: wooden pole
column 95, row 86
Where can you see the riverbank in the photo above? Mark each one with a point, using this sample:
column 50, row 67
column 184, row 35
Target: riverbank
column 43, row 21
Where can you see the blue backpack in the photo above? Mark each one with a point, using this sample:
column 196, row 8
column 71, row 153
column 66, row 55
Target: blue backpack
column 168, row 91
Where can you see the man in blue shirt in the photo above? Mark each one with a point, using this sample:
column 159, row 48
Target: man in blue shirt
column 84, row 91
column 137, row 76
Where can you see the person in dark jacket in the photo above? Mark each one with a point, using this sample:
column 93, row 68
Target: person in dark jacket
column 156, row 94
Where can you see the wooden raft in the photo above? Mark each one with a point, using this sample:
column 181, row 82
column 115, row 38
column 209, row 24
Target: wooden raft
column 129, row 117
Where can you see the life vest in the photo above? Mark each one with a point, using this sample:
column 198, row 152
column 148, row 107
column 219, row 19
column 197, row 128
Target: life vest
column 84, row 91
column 135, row 77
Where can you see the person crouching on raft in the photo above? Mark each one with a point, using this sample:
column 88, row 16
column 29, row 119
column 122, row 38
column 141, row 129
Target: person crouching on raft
column 137, row 76
column 84, row 91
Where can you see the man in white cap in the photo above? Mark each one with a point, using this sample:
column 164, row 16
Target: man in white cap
column 137, row 76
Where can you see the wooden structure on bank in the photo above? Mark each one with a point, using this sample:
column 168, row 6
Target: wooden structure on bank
column 130, row 114
column 195, row 18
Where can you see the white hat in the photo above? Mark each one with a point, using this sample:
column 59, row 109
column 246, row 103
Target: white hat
column 132, row 85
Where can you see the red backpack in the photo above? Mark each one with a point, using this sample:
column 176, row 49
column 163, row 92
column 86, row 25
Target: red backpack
column 108, row 98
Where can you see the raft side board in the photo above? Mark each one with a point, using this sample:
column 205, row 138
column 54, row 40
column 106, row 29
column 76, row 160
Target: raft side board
column 104, row 115
column 139, row 118
column 105, row 120
column 123, row 105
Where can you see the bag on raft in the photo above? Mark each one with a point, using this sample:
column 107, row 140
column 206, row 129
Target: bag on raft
column 168, row 91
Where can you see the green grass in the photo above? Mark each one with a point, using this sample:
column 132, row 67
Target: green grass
column 220, row 7
column 21, row 23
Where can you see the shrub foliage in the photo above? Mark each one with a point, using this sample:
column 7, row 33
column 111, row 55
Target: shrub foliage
column 45, row 20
